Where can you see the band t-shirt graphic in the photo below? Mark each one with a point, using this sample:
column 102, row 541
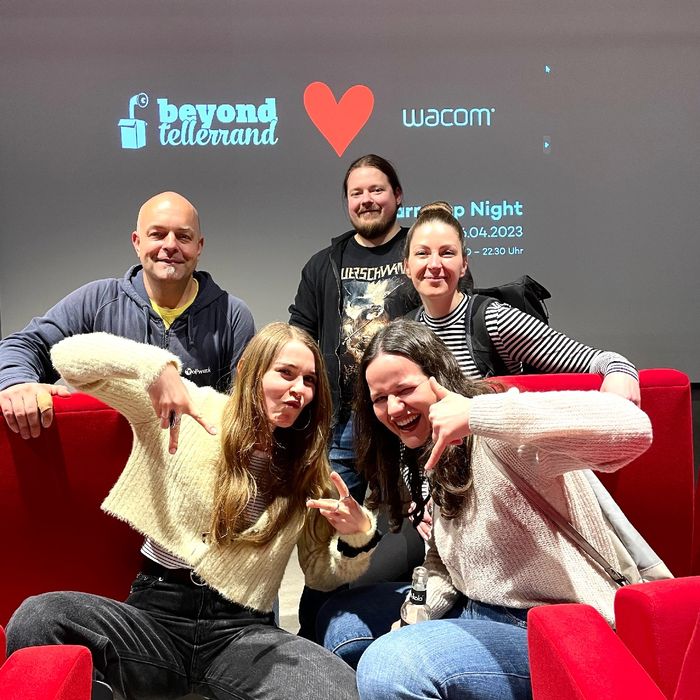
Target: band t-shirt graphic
column 375, row 290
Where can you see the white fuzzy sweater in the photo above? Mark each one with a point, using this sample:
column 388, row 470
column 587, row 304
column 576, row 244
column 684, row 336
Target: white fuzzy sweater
column 500, row 549
column 169, row 497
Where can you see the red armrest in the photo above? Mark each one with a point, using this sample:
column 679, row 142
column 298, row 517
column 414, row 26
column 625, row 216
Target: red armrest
column 47, row 673
column 695, row 569
column 575, row 655
column 657, row 621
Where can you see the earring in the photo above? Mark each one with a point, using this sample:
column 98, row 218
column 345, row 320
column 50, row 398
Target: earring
column 308, row 423
column 404, row 468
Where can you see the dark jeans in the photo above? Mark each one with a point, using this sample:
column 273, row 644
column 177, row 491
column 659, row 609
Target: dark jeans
column 342, row 458
column 170, row 639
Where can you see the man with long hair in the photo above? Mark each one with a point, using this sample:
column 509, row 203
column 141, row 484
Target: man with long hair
column 347, row 291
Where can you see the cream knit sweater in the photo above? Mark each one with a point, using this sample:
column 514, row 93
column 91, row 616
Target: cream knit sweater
column 169, row 497
column 500, row 549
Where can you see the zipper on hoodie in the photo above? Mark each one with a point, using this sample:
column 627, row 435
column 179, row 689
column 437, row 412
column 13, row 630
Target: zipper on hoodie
column 336, row 274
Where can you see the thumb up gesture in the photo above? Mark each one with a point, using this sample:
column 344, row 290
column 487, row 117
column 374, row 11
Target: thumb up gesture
column 449, row 417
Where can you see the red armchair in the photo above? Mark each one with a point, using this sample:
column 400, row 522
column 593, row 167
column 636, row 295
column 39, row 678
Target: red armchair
column 575, row 655
column 45, row 673
column 51, row 489
column 696, row 533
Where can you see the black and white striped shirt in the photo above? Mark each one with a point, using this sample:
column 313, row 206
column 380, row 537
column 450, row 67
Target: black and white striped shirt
column 520, row 338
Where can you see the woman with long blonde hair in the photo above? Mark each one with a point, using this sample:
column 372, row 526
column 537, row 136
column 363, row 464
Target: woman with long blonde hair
column 222, row 503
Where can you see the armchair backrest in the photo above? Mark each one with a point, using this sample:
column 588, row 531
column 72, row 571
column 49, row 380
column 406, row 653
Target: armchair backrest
column 55, row 535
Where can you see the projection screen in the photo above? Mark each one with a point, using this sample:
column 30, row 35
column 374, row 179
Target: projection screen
column 564, row 134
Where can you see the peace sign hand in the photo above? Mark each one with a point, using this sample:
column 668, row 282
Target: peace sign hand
column 344, row 513
column 449, row 417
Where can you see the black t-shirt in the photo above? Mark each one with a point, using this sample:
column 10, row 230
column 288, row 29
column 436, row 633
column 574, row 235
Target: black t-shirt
column 375, row 291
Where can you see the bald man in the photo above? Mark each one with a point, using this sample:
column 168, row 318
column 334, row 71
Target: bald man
column 164, row 301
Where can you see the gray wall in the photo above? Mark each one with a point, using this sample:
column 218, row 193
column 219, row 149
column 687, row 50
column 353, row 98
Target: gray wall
column 609, row 222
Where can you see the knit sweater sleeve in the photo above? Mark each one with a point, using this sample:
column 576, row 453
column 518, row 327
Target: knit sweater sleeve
column 324, row 566
column 533, row 430
column 115, row 370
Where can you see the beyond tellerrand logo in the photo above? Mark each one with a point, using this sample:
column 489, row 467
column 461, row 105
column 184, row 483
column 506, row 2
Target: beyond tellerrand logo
column 202, row 124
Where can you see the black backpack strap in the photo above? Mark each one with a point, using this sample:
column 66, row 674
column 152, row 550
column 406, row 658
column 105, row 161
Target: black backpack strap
column 413, row 315
column 479, row 343
column 486, row 358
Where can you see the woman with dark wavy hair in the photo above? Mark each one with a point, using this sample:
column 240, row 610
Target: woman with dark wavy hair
column 221, row 513
column 492, row 554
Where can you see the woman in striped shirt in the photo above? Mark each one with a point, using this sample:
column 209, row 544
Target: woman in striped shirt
column 435, row 261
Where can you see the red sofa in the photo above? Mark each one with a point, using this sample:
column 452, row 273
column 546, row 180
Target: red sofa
column 57, row 538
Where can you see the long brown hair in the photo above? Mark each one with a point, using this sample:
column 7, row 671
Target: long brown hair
column 299, row 463
column 378, row 449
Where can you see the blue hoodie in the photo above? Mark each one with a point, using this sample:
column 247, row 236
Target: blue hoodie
column 208, row 337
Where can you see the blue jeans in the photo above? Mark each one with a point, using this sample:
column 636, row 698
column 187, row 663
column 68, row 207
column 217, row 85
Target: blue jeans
column 170, row 639
column 342, row 458
column 474, row 651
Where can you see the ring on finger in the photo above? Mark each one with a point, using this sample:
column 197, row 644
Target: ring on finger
column 337, row 507
column 174, row 419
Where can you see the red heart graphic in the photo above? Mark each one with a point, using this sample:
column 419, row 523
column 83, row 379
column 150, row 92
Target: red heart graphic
column 339, row 122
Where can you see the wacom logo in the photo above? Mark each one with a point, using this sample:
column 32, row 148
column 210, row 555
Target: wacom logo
column 133, row 131
column 202, row 124
column 447, row 116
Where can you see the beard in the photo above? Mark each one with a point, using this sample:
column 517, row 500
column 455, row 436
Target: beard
column 375, row 228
